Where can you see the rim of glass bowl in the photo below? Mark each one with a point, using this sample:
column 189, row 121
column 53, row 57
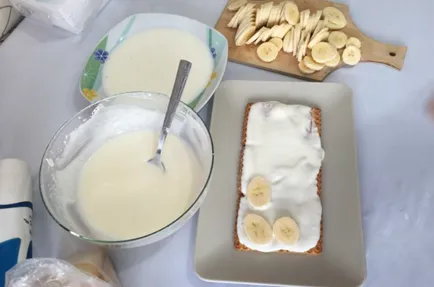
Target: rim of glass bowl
column 109, row 242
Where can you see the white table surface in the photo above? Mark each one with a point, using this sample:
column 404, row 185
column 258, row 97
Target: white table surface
column 40, row 69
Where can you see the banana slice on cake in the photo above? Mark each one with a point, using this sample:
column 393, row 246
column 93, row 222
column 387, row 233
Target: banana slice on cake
column 351, row 55
column 259, row 191
column 257, row 229
column 286, row 230
column 323, row 52
column 353, row 41
column 338, row 39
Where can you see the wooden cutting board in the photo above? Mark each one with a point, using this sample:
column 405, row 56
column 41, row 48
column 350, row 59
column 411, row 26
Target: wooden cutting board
column 372, row 50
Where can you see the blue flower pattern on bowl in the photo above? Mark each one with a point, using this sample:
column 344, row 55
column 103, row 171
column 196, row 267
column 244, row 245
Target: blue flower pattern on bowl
column 213, row 52
column 101, row 55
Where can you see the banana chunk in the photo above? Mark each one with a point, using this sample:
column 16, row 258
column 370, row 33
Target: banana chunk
column 237, row 4
column 323, row 52
column 338, row 39
column 257, row 229
column 353, row 41
column 351, row 55
column 267, row 52
column 286, row 230
column 334, row 17
column 278, row 42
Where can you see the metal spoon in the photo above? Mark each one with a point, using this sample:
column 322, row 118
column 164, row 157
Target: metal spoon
column 181, row 78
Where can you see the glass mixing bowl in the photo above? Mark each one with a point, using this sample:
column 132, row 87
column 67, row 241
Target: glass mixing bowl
column 85, row 132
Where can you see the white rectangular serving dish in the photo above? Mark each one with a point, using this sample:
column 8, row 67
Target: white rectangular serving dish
column 342, row 263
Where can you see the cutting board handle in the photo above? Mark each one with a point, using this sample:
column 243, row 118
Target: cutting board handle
column 392, row 55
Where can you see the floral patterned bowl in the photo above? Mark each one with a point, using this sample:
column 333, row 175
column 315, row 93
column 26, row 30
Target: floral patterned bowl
column 90, row 83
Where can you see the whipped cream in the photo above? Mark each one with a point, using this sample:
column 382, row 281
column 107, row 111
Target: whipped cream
column 283, row 145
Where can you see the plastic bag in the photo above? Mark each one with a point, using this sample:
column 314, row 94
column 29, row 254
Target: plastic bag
column 70, row 15
column 47, row 272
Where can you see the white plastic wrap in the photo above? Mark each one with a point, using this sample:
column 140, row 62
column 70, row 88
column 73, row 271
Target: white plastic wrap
column 70, row 15
column 50, row 272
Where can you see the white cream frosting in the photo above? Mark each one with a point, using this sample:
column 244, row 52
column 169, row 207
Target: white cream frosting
column 283, row 145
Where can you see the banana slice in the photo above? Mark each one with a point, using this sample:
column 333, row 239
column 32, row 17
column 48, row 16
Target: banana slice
column 323, row 52
column 265, row 10
column 286, row 230
column 315, row 20
column 259, row 189
column 291, row 12
column 259, row 39
column 353, row 41
column 287, row 41
column 333, row 63
column 351, row 55
column 257, row 229
column 275, row 31
column 244, row 35
column 278, row 42
column 266, row 35
column 282, row 31
column 311, row 64
column 303, row 46
column 232, row 22
column 322, row 35
column 304, row 69
column 273, row 16
column 255, row 36
column 296, row 40
column 332, row 25
column 338, row 39
column 318, row 27
column 237, row 4
column 267, row 52
column 335, row 16
column 305, row 18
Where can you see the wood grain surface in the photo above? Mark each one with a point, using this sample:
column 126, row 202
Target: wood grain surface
column 372, row 50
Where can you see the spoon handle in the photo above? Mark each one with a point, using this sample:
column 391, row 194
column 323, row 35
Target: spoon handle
column 180, row 81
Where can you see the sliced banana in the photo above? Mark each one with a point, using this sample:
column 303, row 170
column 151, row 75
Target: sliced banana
column 318, row 27
column 287, row 41
column 335, row 16
column 333, row 26
column 303, row 46
column 257, row 229
column 322, row 35
column 267, row 52
column 244, row 35
column 266, row 35
column 286, row 230
column 304, row 69
column 305, row 15
column 259, row 39
column 311, row 64
column 236, row 5
column 338, row 39
column 353, row 41
column 351, row 55
column 255, row 36
column 296, row 40
column 315, row 20
column 264, row 12
column 259, row 190
column 273, row 16
column 291, row 12
column 234, row 20
column 323, row 52
column 281, row 32
column 333, row 63
column 277, row 41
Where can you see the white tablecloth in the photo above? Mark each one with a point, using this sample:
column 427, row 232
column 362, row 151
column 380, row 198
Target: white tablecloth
column 39, row 73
